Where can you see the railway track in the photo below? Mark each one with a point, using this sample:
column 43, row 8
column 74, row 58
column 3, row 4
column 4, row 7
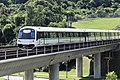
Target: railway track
column 9, row 52
column 7, row 48
column 13, row 52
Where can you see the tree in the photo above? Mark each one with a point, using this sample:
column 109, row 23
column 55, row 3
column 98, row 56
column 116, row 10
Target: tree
column 39, row 19
column 60, row 24
column 5, row 2
column 92, row 3
column 3, row 20
column 106, row 3
column 79, row 4
column 1, row 36
column 57, row 9
column 44, row 3
column 48, row 15
column 18, row 1
column 19, row 19
column 8, row 33
column 30, row 16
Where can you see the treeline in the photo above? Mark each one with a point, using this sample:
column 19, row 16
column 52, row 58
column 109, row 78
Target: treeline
column 15, row 14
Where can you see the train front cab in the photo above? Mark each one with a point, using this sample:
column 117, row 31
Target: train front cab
column 26, row 38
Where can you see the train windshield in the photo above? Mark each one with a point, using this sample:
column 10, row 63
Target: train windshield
column 27, row 34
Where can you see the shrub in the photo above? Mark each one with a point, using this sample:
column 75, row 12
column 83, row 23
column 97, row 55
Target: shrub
column 111, row 76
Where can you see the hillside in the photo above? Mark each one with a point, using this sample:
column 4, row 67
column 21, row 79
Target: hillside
column 98, row 23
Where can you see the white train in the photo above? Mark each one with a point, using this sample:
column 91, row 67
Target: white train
column 33, row 36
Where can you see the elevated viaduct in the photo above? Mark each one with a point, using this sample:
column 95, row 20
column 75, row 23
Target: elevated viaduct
column 28, row 63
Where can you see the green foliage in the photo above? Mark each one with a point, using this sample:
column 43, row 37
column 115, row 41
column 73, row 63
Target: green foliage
column 6, row 2
column 19, row 19
column 111, row 76
column 8, row 33
column 2, row 79
column 1, row 36
column 54, row 12
column 18, row 1
column 39, row 19
column 60, row 24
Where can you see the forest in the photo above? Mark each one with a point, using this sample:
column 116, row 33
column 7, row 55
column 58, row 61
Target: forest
column 15, row 14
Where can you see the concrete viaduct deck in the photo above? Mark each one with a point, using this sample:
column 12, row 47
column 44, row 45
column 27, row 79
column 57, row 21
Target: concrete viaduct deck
column 29, row 63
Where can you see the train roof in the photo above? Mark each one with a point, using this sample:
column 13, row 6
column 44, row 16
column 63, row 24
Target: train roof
column 54, row 29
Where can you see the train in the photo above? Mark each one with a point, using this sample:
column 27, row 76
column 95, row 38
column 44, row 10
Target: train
column 34, row 36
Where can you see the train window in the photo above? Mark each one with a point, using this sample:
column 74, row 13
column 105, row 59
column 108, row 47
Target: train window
column 79, row 34
column 89, row 34
column 116, row 34
column 106, row 35
column 71, row 34
column 82, row 34
column 109, row 35
column 60, row 34
column 86, row 34
column 27, row 34
column 63, row 34
column 92, row 34
column 100, row 35
column 67, row 34
column 112, row 35
column 76, row 34
column 32, row 35
column 57, row 34
column 53, row 35
column 119, row 34
column 40, row 35
column 47, row 35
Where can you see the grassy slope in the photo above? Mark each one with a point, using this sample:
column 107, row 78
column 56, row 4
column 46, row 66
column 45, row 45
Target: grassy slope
column 98, row 23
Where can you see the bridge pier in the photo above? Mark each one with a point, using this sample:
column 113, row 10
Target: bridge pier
column 29, row 75
column 79, row 67
column 97, row 65
column 54, row 72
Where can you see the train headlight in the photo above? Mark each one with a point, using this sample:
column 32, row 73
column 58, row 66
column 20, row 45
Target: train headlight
column 32, row 41
column 19, row 41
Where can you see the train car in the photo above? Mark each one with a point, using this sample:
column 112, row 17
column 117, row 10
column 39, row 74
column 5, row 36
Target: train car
column 33, row 36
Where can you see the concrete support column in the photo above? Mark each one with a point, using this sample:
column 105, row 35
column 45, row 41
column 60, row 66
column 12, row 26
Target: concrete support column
column 97, row 65
column 28, row 75
column 54, row 72
column 79, row 67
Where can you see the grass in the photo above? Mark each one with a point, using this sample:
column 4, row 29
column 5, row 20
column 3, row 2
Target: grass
column 2, row 79
column 71, row 74
column 98, row 23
